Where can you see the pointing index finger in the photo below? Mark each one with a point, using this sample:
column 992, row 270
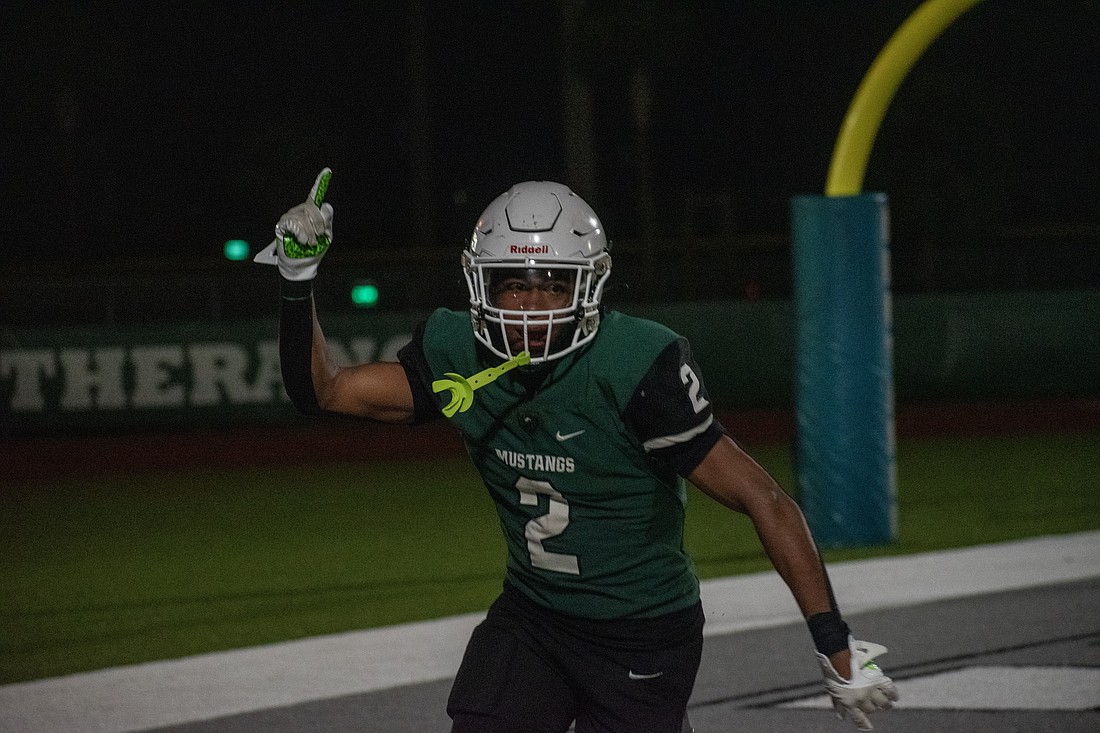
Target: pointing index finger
column 320, row 187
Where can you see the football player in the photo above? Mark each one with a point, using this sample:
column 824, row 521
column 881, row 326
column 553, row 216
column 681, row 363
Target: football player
column 584, row 424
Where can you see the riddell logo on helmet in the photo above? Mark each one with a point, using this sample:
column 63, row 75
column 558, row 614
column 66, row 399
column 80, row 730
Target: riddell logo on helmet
column 528, row 249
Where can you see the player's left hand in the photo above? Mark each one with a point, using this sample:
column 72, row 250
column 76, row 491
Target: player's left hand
column 302, row 235
column 866, row 690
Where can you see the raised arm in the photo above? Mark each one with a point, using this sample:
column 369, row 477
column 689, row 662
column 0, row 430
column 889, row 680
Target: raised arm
column 315, row 383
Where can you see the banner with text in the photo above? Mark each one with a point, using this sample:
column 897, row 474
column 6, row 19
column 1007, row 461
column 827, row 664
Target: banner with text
column 946, row 347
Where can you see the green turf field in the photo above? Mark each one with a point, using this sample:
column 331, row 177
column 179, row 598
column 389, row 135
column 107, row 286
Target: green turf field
column 105, row 572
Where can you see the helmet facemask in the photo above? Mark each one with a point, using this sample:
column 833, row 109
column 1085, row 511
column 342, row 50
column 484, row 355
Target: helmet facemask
column 548, row 308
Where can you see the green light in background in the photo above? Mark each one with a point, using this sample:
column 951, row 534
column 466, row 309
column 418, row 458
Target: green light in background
column 364, row 294
column 237, row 250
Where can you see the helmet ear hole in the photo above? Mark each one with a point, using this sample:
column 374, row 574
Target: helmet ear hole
column 590, row 323
column 602, row 265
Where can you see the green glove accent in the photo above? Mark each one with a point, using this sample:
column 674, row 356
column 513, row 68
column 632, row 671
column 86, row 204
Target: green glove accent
column 462, row 389
column 320, row 187
column 298, row 250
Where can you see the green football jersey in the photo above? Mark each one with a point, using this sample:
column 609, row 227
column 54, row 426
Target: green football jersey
column 594, row 525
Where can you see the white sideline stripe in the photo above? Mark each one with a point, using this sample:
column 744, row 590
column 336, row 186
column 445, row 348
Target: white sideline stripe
column 762, row 600
column 124, row 699
column 212, row 685
column 994, row 688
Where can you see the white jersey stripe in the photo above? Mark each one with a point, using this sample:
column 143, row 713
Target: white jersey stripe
column 667, row 440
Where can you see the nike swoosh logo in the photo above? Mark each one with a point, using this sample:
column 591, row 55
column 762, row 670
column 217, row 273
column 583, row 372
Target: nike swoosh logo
column 567, row 436
column 635, row 676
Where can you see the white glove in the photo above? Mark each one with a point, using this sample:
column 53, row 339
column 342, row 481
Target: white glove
column 867, row 690
column 302, row 235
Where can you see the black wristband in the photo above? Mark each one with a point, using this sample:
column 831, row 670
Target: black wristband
column 829, row 632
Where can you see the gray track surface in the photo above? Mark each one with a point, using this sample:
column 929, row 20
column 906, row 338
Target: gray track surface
column 745, row 675
column 1049, row 619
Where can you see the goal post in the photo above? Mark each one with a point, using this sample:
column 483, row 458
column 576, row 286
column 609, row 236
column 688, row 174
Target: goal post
column 844, row 386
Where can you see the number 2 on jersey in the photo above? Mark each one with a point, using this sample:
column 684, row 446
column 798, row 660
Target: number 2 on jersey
column 687, row 376
column 545, row 526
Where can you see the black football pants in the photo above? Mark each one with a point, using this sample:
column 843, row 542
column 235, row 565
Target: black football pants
column 530, row 670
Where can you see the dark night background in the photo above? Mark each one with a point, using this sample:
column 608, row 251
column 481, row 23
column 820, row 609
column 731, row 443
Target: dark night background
column 139, row 137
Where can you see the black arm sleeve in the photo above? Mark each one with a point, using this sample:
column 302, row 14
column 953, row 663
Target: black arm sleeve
column 670, row 411
column 296, row 345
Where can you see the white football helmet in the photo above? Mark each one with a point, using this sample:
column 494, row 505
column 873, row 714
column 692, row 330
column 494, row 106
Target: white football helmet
column 542, row 228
